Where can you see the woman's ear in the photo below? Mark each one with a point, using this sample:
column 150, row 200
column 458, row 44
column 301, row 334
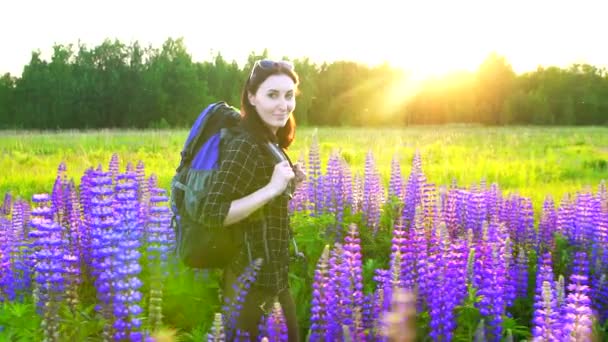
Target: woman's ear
column 251, row 98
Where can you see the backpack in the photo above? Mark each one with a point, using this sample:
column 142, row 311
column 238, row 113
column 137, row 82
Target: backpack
column 197, row 244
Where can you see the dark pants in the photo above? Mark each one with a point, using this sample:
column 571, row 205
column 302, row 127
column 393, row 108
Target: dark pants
column 259, row 302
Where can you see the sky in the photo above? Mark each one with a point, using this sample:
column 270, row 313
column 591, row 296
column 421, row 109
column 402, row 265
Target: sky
column 424, row 37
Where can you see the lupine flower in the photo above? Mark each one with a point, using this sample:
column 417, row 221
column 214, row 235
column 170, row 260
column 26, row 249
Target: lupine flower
column 6, row 281
column 313, row 175
column 546, row 323
column 395, row 188
column 565, row 216
column 126, row 295
column 7, row 204
column 373, row 194
column 233, row 305
column 354, row 281
column 520, row 274
column 48, row 257
column 21, row 254
column 217, row 330
column 560, row 291
column 274, row 327
column 159, row 241
column 318, row 319
column 114, row 165
column 447, row 269
column 490, row 279
column 402, row 244
column 578, row 320
column 336, row 301
column 413, row 191
column 547, row 225
column 300, row 198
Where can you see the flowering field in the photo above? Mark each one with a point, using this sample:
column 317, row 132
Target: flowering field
column 444, row 234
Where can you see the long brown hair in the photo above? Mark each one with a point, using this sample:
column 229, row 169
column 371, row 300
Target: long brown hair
column 259, row 73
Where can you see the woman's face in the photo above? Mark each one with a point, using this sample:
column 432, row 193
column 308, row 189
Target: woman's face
column 275, row 100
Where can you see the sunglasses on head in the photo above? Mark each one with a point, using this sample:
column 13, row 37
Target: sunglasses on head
column 268, row 64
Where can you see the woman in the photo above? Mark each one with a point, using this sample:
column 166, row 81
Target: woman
column 252, row 192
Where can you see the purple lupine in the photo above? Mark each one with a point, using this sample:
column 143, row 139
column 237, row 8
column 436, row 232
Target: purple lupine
column 314, row 173
column 565, row 217
column 20, row 256
column 578, row 320
column 7, row 291
column 114, row 165
column 299, row 202
column 395, row 188
column 59, row 196
column 544, row 274
column 352, row 259
column 126, row 283
column 74, row 252
column 475, row 211
column 493, row 201
column 560, row 291
column 511, row 277
column 7, row 204
column 337, row 299
column 159, row 241
column 450, row 214
column 580, row 266
column 491, row 279
column 320, row 296
column 373, row 194
column 401, row 243
column 105, row 237
column 232, row 305
column 274, row 327
column 333, row 197
column 357, row 194
column 585, row 215
column 49, row 250
column 547, row 226
column 420, row 245
column 520, row 273
column 381, row 301
column 413, row 191
column 447, row 270
column 217, row 330
column 546, row 322
column 142, row 186
column 600, row 294
column 524, row 225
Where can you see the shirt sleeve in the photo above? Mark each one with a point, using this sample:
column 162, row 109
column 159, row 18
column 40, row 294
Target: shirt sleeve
column 234, row 177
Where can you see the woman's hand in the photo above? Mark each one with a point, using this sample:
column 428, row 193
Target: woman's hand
column 282, row 174
column 300, row 175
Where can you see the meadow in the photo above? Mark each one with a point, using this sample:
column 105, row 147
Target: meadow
column 487, row 224
column 533, row 161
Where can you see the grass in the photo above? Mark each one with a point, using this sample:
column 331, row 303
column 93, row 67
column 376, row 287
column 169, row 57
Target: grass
column 532, row 161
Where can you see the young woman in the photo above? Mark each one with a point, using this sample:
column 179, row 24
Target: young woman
column 252, row 192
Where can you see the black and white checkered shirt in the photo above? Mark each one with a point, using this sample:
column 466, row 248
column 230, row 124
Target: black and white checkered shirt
column 245, row 167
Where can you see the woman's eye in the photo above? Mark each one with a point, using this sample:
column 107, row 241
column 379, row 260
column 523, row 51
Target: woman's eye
column 273, row 95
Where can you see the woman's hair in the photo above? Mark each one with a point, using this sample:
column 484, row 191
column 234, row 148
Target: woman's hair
column 260, row 72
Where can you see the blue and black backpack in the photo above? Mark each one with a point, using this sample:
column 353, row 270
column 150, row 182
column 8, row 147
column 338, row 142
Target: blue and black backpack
column 199, row 245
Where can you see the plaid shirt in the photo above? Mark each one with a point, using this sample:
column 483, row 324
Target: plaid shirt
column 246, row 167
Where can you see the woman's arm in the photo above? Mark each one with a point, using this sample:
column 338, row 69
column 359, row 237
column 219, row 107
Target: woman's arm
column 243, row 207
column 225, row 203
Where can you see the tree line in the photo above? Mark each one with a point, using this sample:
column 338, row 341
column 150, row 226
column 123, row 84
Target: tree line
column 126, row 85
